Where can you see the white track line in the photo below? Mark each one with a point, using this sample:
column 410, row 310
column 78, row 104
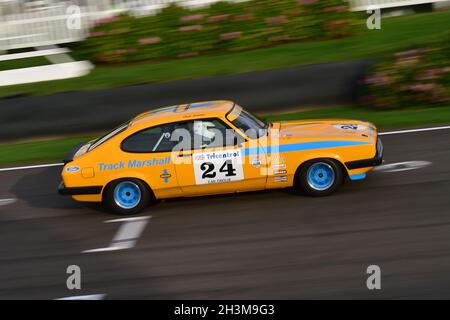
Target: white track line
column 403, row 166
column 413, row 130
column 132, row 219
column 33, row 167
column 109, row 249
column 4, row 202
column 381, row 134
column 86, row 297
column 127, row 235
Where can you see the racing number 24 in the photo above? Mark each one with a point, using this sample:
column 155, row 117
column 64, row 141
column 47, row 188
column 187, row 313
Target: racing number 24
column 208, row 169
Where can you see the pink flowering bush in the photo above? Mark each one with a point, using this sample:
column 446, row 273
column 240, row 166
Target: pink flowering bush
column 177, row 32
column 414, row 78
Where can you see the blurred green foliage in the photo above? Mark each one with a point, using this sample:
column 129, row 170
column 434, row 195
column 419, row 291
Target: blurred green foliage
column 178, row 32
column 419, row 76
column 397, row 34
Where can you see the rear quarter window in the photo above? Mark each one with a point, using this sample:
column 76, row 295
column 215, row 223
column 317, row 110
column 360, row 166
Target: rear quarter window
column 108, row 136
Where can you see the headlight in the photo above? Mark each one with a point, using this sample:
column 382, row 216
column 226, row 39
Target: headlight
column 379, row 147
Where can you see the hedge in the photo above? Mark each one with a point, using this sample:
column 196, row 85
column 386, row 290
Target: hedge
column 178, row 32
column 417, row 77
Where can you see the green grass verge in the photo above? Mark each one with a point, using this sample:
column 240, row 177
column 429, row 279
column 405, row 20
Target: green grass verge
column 382, row 119
column 397, row 33
column 23, row 63
column 55, row 150
column 38, row 151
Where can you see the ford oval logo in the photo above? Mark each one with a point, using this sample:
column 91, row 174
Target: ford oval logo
column 73, row 169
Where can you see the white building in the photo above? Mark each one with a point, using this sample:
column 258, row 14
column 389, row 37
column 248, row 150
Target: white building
column 32, row 23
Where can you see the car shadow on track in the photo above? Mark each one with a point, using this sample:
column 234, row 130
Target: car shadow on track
column 39, row 189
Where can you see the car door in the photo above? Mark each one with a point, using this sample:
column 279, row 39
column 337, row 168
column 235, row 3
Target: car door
column 148, row 154
column 218, row 161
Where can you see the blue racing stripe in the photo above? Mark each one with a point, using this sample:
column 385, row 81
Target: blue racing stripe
column 166, row 109
column 199, row 105
column 174, row 108
column 301, row 147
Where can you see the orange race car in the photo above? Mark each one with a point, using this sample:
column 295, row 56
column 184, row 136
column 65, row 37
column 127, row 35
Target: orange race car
column 212, row 148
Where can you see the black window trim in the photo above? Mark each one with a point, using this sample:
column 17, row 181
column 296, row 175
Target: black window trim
column 243, row 133
column 227, row 125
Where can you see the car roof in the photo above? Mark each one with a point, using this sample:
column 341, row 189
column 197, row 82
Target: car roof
column 210, row 109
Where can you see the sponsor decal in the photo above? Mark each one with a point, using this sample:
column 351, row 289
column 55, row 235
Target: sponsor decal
column 218, row 167
column 256, row 162
column 350, row 126
column 165, row 175
column 199, row 157
column 73, row 169
column 132, row 164
column 280, row 179
column 148, row 163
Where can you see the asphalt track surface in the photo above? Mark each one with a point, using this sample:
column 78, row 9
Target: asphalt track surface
column 257, row 245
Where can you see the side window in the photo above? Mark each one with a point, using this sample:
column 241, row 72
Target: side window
column 212, row 133
column 155, row 139
column 197, row 134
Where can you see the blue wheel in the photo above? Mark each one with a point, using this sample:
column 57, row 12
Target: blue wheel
column 320, row 176
column 127, row 196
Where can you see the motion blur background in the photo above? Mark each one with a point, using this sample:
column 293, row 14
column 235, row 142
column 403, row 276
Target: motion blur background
column 71, row 69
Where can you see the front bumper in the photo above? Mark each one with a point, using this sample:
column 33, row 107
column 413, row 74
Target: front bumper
column 63, row 190
column 365, row 163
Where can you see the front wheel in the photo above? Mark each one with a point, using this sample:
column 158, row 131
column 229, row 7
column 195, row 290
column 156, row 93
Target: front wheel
column 320, row 177
column 127, row 196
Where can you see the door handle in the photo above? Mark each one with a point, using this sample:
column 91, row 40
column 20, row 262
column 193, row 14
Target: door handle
column 185, row 155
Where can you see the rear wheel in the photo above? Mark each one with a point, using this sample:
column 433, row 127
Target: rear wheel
column 127, row 196
column 320, row 177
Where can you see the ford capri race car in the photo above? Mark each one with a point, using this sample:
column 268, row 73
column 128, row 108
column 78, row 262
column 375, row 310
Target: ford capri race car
column 216, row 147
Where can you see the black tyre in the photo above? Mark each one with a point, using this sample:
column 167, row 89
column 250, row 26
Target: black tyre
column 127, row 196
column 319, row 177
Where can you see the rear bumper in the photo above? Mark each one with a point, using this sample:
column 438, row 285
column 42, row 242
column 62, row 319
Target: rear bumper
column 365, row 163
column 63, row 190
